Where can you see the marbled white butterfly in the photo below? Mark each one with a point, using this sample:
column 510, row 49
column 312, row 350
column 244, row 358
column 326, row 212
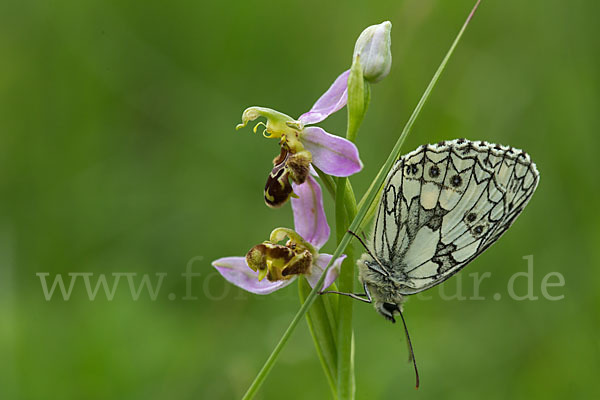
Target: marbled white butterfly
column 442, row 205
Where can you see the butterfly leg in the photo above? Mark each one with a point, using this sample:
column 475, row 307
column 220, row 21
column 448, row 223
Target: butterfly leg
column 364, row 297
column 356, row 296
column 383, row 271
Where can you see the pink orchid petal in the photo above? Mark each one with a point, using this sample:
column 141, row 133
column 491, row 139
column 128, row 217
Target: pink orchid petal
column 309, row 216
column 236, row 271
column 334, row 155
column 319, row 266
column 331, row 101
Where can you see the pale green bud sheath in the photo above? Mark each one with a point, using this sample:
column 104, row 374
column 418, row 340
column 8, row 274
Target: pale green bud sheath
column 374, row 48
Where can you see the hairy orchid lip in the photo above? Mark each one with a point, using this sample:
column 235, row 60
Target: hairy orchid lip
column 294, row 167
column 280, row 262
column 298, row 164
column 300, row 265
column 278, row 188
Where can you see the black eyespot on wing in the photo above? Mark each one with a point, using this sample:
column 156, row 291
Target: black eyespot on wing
column 478, row 229
column 456, row 181
column 411, row 169
column 471, row 217
column 434, row 171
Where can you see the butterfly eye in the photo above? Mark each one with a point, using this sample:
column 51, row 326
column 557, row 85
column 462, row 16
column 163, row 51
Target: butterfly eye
column 389, row 307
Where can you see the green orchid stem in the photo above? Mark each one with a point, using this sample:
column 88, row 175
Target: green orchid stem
column 321, row 323
column 356, row 222
column 345, row 211
column 331, row 186
column 345, row 367
column 328, row 181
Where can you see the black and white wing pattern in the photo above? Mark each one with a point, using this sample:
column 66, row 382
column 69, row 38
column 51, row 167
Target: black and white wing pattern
column 444, row 204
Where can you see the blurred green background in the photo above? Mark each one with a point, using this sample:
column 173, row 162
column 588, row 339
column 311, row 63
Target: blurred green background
column 118, row 154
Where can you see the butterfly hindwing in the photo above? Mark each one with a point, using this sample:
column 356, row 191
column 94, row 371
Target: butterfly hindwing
column 444, row 204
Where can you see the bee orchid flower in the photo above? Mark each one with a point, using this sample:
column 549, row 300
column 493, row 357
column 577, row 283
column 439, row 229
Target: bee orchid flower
column 270, row 266
column 303, row 145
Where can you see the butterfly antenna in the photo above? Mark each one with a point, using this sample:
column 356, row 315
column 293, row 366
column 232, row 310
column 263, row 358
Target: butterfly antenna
column 369, row 251
column 411, row 355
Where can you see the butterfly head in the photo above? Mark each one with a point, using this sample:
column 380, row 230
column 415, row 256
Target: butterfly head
column 388, row 310
column 381, row 287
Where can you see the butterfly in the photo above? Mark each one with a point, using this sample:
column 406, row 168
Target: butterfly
column 442, row 205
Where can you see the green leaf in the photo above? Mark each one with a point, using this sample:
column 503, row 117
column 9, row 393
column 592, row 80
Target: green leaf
column 321, row 323
column 344, row 213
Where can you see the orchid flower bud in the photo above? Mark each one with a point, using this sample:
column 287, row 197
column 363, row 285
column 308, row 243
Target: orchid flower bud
column 373, row 48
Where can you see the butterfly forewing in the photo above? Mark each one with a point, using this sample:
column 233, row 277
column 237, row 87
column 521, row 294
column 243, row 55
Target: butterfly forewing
column 444, row 204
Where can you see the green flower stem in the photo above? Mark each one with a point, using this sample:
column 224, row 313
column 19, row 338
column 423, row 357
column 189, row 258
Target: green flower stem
column 330, row 185
column 373, row 206
column 323, row 330
column 358, row 97
column 362, row 211
column 328, row 181
column 350, row 201
column 345, row 211
column 345, row 378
